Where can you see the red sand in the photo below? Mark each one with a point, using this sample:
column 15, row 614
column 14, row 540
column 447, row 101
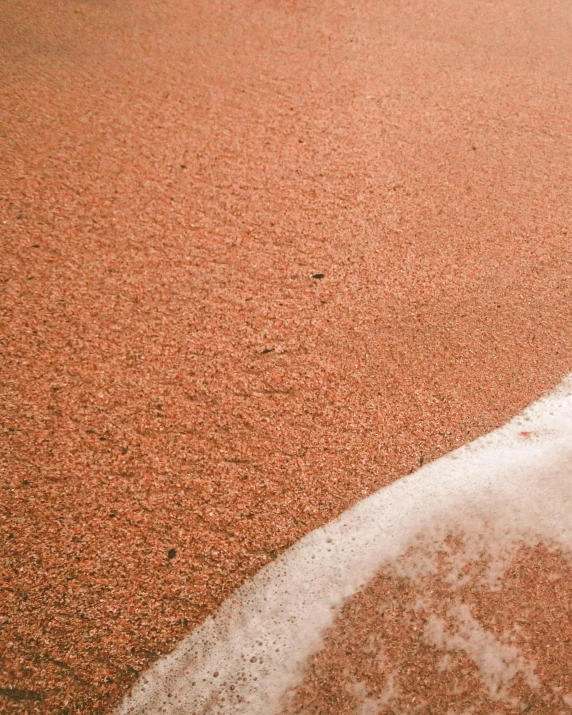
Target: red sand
column 379, row 654
column 172, row 175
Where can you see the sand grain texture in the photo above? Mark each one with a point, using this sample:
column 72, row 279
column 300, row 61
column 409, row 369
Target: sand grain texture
column 172, row 175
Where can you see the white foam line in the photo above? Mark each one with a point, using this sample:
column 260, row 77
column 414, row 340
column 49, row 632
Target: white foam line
column 245, row 658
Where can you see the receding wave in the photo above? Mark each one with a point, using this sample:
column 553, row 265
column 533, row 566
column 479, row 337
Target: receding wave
column 427, row 596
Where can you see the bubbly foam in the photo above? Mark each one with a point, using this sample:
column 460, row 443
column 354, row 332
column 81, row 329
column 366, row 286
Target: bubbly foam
column 511, row 486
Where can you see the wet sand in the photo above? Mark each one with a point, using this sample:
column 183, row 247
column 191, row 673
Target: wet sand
column 446, row 591
column 433, row 646
column 181, row 398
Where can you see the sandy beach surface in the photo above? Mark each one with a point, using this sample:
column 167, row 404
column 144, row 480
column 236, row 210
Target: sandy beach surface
column 258, row 260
